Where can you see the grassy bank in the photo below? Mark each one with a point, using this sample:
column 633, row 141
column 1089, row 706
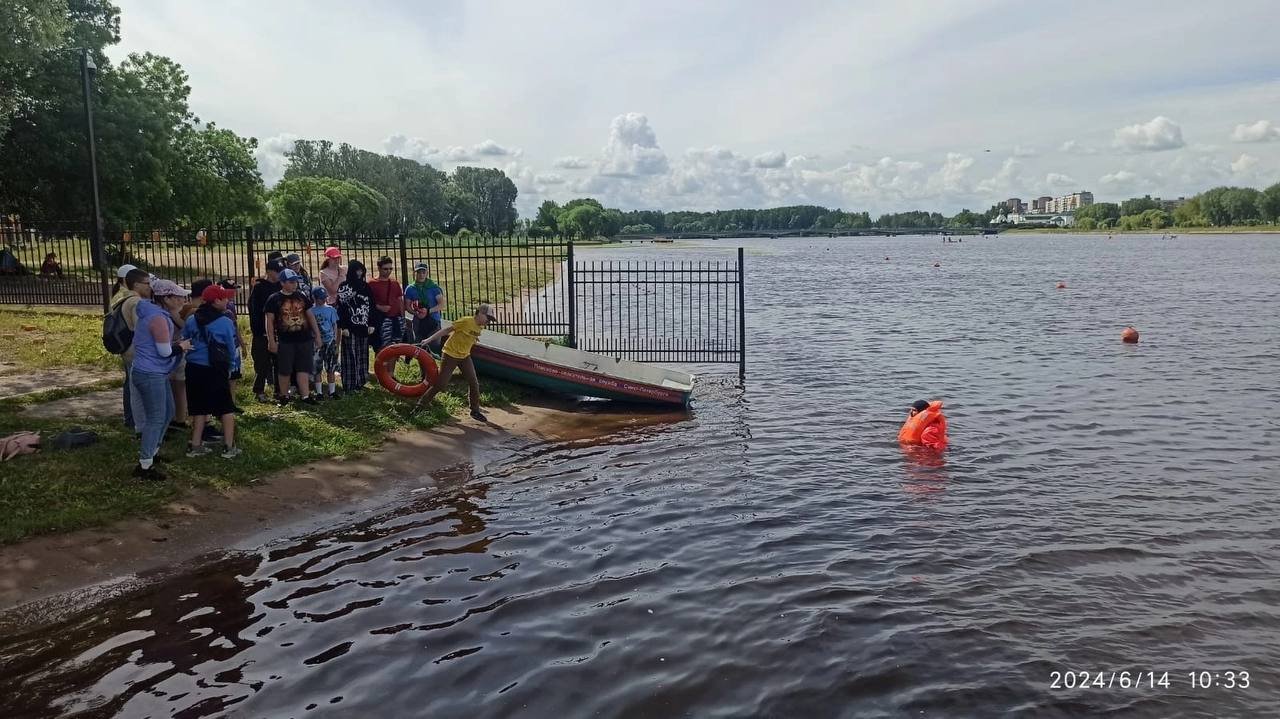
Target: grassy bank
column 57, row 491
column 44, row 339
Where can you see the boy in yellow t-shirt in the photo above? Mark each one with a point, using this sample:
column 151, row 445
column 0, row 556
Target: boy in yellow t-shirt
column 457, row 354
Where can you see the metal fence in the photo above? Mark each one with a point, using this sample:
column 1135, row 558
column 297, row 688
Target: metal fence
column 660, row 311
column 642, row 310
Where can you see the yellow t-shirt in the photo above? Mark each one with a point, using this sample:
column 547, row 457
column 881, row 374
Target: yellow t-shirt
column 465, row 334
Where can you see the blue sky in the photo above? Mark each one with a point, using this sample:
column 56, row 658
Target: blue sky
column 876, row 106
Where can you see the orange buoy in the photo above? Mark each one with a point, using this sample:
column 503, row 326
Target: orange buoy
column 384, row 366
column 1062, row 285
column 1129, row 335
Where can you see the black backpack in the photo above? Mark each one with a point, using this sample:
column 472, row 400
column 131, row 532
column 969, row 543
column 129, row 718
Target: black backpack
column 219, row 353
column 116, row 335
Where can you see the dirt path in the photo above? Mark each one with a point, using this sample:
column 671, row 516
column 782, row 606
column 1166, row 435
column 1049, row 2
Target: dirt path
column 70, row 570
column 16, row 384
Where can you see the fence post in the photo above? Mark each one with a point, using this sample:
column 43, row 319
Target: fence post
column 573, row 301
column 742, row 317
column 251, row 265
column 404, row 261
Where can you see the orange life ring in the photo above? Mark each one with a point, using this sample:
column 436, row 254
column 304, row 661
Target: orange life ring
column 384, row 365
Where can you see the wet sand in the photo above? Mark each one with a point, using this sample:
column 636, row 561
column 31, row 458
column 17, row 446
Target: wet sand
column 58, row 573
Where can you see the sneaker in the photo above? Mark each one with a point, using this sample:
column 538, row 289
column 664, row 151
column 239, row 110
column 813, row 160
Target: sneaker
column 334, row 395
column 283, row 401
column 197, row 451
column 150, row 474
column 262, row 397
column 478, row 416
column 231, row 452
column 310, row 401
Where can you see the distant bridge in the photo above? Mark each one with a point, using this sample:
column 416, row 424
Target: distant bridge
column 775, row 234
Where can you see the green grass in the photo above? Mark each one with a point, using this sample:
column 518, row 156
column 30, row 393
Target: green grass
column 58, row 340
column 58, row 491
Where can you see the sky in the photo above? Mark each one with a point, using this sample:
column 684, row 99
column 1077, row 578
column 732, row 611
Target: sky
column 864, row 104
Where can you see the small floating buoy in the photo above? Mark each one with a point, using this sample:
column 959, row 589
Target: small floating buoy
column 886, row 259
column 1129, row 335
column 1062, row 285
column 937, row 264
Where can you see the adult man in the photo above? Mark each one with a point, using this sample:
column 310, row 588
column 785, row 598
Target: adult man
column 293, row 336
column 137, row 288
column 457, row 354
column 426, row 301
column 388, row 300
column 264, row 362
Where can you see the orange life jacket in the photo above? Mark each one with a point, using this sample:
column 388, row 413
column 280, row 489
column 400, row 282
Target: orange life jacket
column 913, row 429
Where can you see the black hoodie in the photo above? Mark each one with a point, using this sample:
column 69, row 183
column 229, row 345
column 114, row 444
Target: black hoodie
column 355, row 302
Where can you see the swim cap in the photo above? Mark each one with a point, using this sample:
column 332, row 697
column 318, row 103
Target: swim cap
column 920, row 405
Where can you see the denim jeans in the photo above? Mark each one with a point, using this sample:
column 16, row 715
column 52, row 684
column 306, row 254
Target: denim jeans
column 152, row 409
column 128, row 395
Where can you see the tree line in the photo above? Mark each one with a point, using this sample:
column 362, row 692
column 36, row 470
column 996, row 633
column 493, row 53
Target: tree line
column 1216, row 207
column 161, row 166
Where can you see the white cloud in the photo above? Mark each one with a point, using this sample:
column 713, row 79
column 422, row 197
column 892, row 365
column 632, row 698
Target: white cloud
column 413, row 148
column 492, row 149
column 1025, row 151
column 1159, row 134
column 1007, row 182
column 633, row 149
column 1243, row 164
column 952, row 177
column 776, row 158
column 571, row 162
column 549, row 178
column 270, row 156
column 1072, row 147
column 1260, row 131
column 1120, row 180
column 1059, row 181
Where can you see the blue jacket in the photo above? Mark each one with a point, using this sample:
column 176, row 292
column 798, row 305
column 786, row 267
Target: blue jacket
column 145, row 357
column 327, row 319
column 221, row 330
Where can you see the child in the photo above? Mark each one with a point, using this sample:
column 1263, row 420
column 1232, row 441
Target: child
column 208, row 373
column 327, row 355
column 51, row 267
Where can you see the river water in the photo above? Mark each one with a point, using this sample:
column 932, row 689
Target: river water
column 1102, row 507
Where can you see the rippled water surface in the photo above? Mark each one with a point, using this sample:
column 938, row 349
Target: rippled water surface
column 1102, row 507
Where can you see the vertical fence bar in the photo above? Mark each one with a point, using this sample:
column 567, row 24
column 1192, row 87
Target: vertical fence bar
column 404, row 261
column 742, row 317
column 571, row 290
column 251, row 266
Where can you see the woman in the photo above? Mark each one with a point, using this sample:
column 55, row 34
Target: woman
column 212, row 361
column 137, row 289
column 156, row 352
column 355, row 303
column 332, row 273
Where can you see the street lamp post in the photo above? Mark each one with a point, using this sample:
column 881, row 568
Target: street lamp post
column 87, row 67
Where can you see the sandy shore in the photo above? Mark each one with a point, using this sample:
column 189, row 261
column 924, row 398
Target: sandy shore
column 44, row 577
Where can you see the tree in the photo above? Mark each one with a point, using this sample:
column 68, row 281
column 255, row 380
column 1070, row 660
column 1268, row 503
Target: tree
column 1139, row 205
column 494, row 196
column 1156, row 219
column 965, row 218
column 1086, row 223
column 325, row 205
column 583, row 220
column 640, row 229
column 1270, row 203
column 1190, row 214
column 33, row 29
column 545, row 222
column 219, row 183
column 1102, row 213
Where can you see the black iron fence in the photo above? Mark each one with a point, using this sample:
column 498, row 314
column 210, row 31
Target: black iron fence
column 659, row 311
column 647, row 311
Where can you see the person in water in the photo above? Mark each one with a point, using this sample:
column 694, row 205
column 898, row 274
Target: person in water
column 925, row 425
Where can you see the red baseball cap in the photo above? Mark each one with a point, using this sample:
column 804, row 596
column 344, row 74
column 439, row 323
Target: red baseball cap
column 332, row 252
column 213, row 293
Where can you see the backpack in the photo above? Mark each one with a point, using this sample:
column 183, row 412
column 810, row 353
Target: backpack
column 219, row 353
column 116, row 335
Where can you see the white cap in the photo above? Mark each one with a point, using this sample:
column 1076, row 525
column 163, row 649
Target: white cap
column 124, row 270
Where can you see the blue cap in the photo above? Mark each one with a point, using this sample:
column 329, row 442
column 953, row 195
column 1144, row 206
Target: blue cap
column 289, row 276
column 319, row 293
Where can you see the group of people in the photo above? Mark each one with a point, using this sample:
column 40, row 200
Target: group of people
column 180, row 355
column 306, row 332
column 182, row 348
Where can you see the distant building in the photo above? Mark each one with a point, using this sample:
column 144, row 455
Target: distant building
column 1171, row 205
column 1068, row 203
column 1014, row 205
column 1041, row 204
